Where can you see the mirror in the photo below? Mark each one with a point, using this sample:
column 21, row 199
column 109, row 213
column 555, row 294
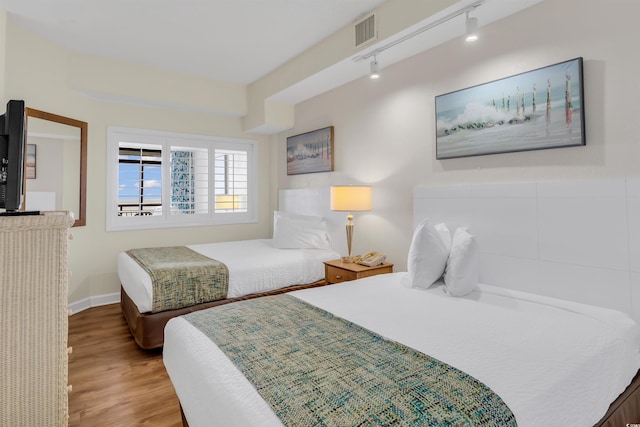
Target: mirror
column 55, row 164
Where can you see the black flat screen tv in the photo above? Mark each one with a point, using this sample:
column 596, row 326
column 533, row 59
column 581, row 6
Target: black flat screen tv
column 12, row 145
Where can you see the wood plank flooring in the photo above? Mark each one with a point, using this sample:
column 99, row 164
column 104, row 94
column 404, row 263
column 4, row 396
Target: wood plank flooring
column 115, row 383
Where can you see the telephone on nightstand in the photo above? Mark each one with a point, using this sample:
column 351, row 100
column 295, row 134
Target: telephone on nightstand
column 373, row 258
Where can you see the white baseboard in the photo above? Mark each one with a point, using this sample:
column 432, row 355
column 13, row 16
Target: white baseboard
column 95, row 301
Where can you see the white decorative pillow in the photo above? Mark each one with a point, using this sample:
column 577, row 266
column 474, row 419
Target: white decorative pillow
column 428, row 254
column 463, row 269
column 293, row 231
column 445, row 235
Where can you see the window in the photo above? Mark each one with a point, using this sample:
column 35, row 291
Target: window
column 139, row 179
column 166, row 180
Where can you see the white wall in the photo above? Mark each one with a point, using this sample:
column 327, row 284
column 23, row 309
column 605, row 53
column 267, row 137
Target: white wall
column 45, row 76
column 385, row 129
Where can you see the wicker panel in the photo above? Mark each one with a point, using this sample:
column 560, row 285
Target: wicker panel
column 34, row 322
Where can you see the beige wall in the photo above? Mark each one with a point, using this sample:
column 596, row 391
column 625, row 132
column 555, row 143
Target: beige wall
column 45, row 76
column 384, row 130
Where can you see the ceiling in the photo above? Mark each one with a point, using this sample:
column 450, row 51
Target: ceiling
column 229, row 40
column 236, row 41
column 410, row 41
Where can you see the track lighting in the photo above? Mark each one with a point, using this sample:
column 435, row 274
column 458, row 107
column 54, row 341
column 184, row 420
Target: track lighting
column 374, row 69
column 471, row 25
column 472, row 28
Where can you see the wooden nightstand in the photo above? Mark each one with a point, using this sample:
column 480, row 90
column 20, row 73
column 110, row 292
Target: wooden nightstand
column 337, row 271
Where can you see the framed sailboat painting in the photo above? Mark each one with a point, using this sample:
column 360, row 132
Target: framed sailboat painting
column 535, row 110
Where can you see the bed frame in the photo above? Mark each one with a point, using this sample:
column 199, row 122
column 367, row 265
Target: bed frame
column 147, row 329
column 625, row 409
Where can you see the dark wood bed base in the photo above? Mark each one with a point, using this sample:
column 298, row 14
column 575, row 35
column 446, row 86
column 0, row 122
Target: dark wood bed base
column 148, row 328
column 624, row 410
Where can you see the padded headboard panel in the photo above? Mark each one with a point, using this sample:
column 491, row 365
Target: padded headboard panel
column 315, row 201
column 575, row 240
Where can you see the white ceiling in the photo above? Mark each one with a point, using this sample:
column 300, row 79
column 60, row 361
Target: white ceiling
column 232, row 40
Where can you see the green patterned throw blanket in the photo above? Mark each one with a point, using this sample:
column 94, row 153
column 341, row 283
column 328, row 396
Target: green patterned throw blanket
column 316, row 369
column 181, row 277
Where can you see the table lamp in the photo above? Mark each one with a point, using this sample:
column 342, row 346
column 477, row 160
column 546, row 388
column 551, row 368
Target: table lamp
column 350, row 198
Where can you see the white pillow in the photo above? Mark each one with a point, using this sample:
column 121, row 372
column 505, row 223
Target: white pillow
column 463, row 268
column 308, row 219
column 293, row 231
column 428, row 254
column 445, row 235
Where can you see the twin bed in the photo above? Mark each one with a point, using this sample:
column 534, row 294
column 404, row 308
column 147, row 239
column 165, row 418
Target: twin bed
column 291, row 260
column 530, row 349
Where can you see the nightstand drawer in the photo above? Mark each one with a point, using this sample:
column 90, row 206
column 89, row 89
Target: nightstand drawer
column 337, row 271
column 374, row 271
column 337, row 275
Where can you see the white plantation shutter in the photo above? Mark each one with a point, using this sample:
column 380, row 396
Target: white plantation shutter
column 161, row 180
column 231, row 181
column 189, row 181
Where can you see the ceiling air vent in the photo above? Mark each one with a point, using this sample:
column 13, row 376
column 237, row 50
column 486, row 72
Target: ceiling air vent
column 366, row 30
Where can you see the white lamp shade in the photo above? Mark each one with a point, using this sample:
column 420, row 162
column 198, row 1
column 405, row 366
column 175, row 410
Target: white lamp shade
column 351, row 198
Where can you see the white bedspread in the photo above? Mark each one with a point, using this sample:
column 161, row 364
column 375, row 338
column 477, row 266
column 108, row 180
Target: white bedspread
column 554, row 363
column 254, row 266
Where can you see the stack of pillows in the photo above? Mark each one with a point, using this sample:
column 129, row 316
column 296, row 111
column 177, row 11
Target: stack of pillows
column 433, row 253
column 294, row 231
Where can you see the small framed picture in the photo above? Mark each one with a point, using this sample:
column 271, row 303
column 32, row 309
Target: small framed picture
column 310, row 152
column 31, row 161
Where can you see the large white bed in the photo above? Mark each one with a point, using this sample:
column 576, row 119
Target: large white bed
column 553, row 362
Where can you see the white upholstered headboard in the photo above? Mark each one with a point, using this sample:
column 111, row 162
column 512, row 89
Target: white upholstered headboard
column 576, row 240
column 315, row 201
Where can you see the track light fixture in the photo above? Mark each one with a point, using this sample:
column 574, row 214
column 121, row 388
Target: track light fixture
column 472, row 28
column 374, row 69
column 471, row 25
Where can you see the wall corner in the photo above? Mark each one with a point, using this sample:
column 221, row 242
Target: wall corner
column 269, row 118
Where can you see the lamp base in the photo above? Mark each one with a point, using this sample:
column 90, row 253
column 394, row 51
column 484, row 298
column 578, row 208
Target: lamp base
column 347, row 259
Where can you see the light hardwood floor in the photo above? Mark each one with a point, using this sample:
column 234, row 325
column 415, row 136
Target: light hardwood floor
column 115, row 383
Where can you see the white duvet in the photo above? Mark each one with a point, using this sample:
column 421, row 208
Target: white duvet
column 254, row 266
column 553, row 362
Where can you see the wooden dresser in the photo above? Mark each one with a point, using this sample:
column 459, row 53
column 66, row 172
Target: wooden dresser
column 33, row 319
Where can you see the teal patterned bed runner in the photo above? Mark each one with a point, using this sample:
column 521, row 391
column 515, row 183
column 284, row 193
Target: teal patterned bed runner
column 181, row 277
column 316, row 369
